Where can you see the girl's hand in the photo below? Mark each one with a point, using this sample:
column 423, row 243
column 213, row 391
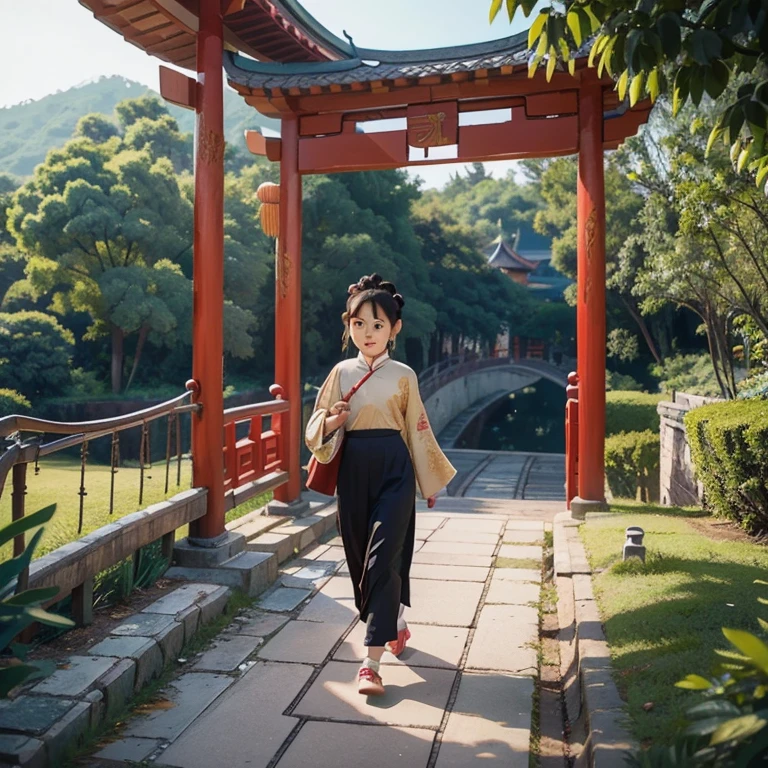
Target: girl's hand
column 339, row 415
column 431, row 501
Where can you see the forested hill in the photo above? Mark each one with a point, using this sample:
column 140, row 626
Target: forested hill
column 29, row 130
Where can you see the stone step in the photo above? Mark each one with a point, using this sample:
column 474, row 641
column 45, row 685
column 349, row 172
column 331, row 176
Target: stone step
column 252, row 572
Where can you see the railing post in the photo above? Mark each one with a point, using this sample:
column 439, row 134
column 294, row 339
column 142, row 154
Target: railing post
column 571, row 438
column 17, row 513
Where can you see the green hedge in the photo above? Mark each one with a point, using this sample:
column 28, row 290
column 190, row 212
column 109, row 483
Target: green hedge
column 729, row 447
column 631, row 412
column 12, row 402
column 632, row 465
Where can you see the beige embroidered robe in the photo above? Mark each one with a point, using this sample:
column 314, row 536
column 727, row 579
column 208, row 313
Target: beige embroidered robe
column 389, row 399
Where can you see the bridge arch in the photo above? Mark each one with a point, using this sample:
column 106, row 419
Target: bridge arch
column 454, row 386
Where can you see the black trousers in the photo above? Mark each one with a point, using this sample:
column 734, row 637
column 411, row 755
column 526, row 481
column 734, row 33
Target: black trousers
column 377, row 522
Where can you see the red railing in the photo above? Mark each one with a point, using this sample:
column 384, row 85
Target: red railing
column 571, row 438
column 260, row 452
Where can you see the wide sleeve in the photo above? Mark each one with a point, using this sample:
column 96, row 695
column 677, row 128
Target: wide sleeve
column 433, row 470
column 324, row 447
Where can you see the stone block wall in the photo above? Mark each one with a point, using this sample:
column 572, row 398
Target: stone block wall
column 678, row 484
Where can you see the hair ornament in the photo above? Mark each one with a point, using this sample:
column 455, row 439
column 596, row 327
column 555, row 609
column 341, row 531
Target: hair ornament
column 399, row 299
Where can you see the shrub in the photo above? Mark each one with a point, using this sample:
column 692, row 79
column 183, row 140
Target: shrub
column 35, row 349
column 12, row 402
column 729, row 447
column 693, row 374
column 620, row 381
column 754, row 386
column 632, row 465
column 631, row 412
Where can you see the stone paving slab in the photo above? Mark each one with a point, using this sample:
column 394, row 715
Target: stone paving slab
column 16, row 749
column 317, row 552
column 513, row 536
column 462, row 535
column 131, row 749
column 449, row 603
column 339, row 587
column 503, row 640
column 144, row 650
column 191, row 694
column 414, row 697
column 512, row 592
column 246, row 726
column 457, row 548
column 322, row 744
column 81, row 674
column 180, row 599
column 32, row 714
column 525, row 525
column 258, row 623
column 429, row 522
column 429, row 646
column 520, row 551
column 284, row 599
column 144, row 625
column 516, row 574
column 330, row 610
column 490, row 723
column 308, row 577
column 443, row 558
column 449, row 572
column 479, row 525
column 228, row 653
column 306, row 642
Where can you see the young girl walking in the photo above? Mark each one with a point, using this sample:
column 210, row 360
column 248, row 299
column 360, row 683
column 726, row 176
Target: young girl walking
column 387, row 448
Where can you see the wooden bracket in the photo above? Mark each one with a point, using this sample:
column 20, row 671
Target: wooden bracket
column 272, row 149
column 178, row 88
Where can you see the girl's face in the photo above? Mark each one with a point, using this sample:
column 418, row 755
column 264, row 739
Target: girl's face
column 370, row 334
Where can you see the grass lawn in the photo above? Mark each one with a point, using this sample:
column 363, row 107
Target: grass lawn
column 663, row 620
column 59, row 482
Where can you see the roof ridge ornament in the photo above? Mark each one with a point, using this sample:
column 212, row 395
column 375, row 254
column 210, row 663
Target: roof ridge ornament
column 351, row 43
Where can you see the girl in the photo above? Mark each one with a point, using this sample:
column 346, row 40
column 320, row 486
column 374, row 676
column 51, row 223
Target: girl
column 387, row 448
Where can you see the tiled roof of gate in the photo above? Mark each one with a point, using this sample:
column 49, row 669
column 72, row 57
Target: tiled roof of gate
column 372, row 65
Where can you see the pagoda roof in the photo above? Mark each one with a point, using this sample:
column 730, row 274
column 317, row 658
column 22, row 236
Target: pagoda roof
column 505, row 257
column 270, row 30
column 369, row 65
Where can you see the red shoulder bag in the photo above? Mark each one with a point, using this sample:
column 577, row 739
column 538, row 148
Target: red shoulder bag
column 323, row 478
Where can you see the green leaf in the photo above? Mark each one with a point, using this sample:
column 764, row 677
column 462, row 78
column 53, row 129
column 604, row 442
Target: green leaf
column 696, row 86
column 680, row 91
column 527, row 6
column 712, row 708
column 743, row 157
column 738, row 729
column 596, row 48
column 706, row 8
column 704, row 45
column 694, row 683
column 12, row 568
column 762, row 173
column 51, row 619
column 29, row 596
column 704, row 727
column 551, row 63
column 574, row 25
column 636, row 89
column 10, row 677
column 621, row 85
column 653, row 84
column 511, row 9
column 714, row 134
column 594, row 21
column 494, row 10
column 750, row 646
column 537, row 28
column 716, row 78
column 668, row 27
column 26, row 523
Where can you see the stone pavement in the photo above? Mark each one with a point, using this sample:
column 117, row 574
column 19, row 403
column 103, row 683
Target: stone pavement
column 278, row 688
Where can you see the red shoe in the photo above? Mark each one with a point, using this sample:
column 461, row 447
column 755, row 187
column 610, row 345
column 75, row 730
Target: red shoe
column 369, row 683
column 396, row 647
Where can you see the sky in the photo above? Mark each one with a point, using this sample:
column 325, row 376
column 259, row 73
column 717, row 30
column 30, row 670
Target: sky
column 52, row 45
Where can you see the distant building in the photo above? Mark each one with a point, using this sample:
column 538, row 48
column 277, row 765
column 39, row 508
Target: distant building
column 531, row 268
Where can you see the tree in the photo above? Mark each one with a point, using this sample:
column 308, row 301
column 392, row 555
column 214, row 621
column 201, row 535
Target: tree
column 683, row 48
column 557, row 220
column 147, row 107
column 35, row 351
column 91, row 210
column 95, row 127
column 161, row 138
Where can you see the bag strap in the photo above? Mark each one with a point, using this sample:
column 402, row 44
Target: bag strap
column 357, row 386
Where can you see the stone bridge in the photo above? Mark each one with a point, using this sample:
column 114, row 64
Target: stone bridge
column 455, row 388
